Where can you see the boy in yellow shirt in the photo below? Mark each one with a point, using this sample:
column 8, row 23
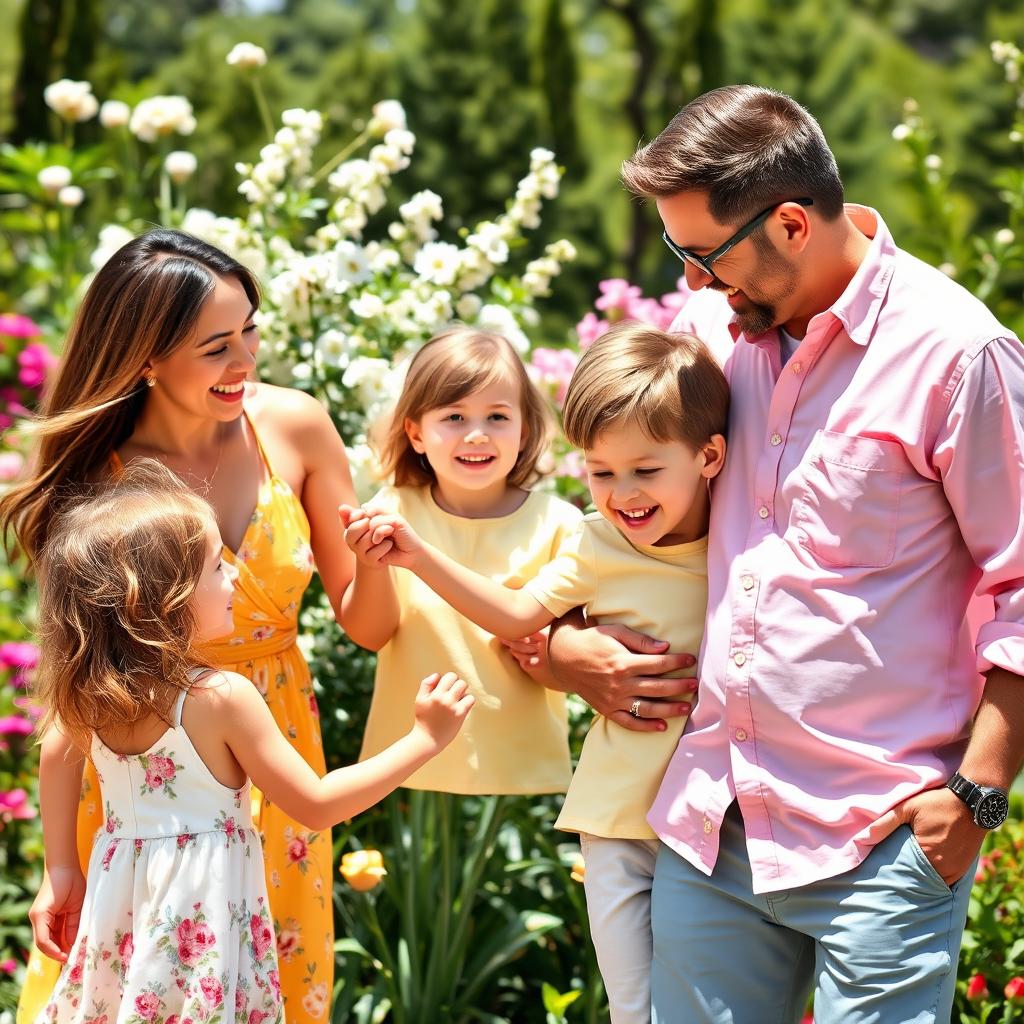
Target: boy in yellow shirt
column 650, row 410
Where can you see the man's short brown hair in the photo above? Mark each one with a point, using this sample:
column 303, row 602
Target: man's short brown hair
column 668, row 385
column 748, row 148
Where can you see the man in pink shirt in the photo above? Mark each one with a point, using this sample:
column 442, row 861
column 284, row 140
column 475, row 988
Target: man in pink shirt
column 851, row 742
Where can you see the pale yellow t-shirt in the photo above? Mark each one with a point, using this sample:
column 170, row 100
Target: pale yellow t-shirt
column 515, row 739
column 660, row 591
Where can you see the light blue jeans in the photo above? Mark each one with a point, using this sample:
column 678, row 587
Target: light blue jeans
column 879, row 944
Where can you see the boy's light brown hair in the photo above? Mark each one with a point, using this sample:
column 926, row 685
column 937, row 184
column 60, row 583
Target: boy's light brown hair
column 116, row 578
column 668, row 385
column 453, row 364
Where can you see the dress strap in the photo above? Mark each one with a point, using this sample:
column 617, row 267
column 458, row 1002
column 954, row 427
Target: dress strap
column 194, row 674
column 268, row 470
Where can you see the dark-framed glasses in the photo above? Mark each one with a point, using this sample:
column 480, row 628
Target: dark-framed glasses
column 704, row 263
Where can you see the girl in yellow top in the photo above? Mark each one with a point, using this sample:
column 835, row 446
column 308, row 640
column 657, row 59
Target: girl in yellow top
column 464, row 441
column 649, row 410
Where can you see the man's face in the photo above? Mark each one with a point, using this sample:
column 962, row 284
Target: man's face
column 757, row 279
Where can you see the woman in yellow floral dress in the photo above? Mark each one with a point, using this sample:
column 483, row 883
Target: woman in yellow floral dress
column 157, row 365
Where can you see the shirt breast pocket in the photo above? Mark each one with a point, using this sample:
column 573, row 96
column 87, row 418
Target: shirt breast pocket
column 847, row 510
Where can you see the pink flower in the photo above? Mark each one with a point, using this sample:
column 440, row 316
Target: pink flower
column 287, row 943
column 240, row 1000
column 159, row 770
column 190, row 951
column 35, row 361
column 589, row 329
column 204, row 937
column 109, row 855
column 553, row 368
column 14, row 806
column 11, row 464
column 125, row 948
column 15, row 725
column 977, row 988
column 616, row 294
column 275, row 983
column 298, row 848
column 19, row 654
column 257, row 1017
column 213, row 992
column 229, row 827
column 14, row 325
column 8, row 966
column 262, row 935
column 184, row 839
column 173, row 1019
column 147, row 1005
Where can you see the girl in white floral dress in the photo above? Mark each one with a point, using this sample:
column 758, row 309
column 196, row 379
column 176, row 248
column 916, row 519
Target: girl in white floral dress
column 171, row 924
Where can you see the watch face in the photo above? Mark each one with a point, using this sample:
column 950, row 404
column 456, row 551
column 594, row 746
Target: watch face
column 992, row 810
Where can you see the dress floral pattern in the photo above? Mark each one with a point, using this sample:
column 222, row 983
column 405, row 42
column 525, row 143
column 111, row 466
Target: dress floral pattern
column 149, row 952
column 275, row 565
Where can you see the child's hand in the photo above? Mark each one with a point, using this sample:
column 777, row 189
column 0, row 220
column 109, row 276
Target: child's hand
column 441, row 707
column 359, row 537
column 57, row 910
column 393, row 541
column 531, row 654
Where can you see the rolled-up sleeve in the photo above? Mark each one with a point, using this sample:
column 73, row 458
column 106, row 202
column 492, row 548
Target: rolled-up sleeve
column 979, row 455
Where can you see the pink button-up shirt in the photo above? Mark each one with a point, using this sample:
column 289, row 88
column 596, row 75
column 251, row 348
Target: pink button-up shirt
column 871, row 487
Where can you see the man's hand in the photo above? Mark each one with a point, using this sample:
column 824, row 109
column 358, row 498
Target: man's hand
column 944, row 829
column 612, row 667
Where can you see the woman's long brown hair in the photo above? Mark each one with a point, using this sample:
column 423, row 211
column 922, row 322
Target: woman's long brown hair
column 142, row 306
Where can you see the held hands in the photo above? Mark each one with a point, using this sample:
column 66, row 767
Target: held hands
column 379, row 538
column 57, row 910
column 441, row 707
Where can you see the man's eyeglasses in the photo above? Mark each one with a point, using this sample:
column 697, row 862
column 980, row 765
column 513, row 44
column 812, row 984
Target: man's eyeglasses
column 704, row 263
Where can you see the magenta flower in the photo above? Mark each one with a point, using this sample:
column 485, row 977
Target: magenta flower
column 35, row 361
column 552, row 368
column 15, row 725
column 589, row 329
column 21, row 656
column 8, row 966
column 11, row 463
column 616, row 294
column 14, row 325
column 14, row 806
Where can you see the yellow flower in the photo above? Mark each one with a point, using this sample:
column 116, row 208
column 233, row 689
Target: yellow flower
column 363, row 869
column 579, row 869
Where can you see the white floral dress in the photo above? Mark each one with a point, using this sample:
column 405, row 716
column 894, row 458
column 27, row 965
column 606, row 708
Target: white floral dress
column 175, row 927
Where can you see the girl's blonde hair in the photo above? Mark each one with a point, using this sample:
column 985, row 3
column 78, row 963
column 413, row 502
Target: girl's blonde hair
column 669, row 385
column 453, row 364
column 142, row 306
column 116, row 577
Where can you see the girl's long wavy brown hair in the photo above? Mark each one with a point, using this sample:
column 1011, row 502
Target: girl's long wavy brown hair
column 453, row 364
column 142, row 306
column 116, row 578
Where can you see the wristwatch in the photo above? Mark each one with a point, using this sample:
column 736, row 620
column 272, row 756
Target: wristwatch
column 989, row 805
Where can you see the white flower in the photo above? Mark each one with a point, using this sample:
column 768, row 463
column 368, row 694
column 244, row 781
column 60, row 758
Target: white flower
column 54, row 178
column 366, row 469
column 367, row 306
column 402, row 140
column 901, row 132
column 1004, row 236
column 180, row 165
column 438, row 262
column 387, row 115
column 162, row 115
column 351, row 264
column 383, row 259
column 388, row 159
column 489, row 238
column 468, row 306
column 70, row 195
column 949, row 269
column 72, row 101
column 335, row 348
column 115, row 114
column 247, row 55
column 425, row 205
column 563, row 250
column 500, row 320
column 933, row 161
column 112, row 237
column 367, row 376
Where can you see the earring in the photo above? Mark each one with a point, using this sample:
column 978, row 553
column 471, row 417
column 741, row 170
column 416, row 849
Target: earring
column 150, row 382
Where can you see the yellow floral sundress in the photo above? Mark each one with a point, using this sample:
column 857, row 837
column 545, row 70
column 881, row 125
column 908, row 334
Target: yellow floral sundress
column 275, row 564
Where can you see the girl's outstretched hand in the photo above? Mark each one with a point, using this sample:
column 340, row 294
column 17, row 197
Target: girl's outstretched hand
column 441, row 707
column 359, row 537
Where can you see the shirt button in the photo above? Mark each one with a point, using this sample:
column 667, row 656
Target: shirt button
column 708, row 826
column 776, row 439
column 739, row 658
column 747, row 581
column 797, row 367
column 763, row 512
column 740, row 735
